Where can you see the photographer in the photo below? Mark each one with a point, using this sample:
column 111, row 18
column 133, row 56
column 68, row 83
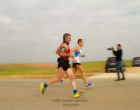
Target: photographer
column 118, row 55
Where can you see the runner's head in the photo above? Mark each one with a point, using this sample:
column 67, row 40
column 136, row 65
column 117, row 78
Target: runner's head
column 67, row 38
column 80, row 42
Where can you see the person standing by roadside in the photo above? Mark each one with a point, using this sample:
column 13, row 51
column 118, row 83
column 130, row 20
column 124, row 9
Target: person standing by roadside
column 118, row 55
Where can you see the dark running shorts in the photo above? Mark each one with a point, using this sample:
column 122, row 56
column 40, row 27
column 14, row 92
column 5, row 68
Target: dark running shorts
column 74, row 64
column 64, row 64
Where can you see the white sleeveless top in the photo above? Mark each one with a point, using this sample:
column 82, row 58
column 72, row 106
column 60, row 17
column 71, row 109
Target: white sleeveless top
column 78, row 55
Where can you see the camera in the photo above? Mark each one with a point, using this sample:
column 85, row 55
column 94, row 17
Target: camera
column 110, row 48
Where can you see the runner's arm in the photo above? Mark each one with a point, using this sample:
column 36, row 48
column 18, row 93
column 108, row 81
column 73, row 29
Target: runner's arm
column 74, row 50
column 74, row 59
column 58, row 51
column 63, row 49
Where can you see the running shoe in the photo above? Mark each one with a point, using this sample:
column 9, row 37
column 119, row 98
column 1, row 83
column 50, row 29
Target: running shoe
column 89, row 85
column 61, row 81
column 42, row 88
column 78, row 94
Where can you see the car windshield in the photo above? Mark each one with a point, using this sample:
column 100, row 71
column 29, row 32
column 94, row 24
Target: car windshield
column 113, row 59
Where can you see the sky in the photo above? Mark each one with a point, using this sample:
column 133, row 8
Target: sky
column 32, row 30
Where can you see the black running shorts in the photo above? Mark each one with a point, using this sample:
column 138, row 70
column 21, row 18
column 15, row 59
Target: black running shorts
column 74, row 64
column 63, row 63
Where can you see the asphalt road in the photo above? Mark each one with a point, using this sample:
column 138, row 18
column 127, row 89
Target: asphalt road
column 107, row 94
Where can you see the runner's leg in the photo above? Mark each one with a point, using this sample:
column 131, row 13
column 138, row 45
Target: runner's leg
column 60, row 75
column 72, row 78
column 80, row 68
column 74, row 70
